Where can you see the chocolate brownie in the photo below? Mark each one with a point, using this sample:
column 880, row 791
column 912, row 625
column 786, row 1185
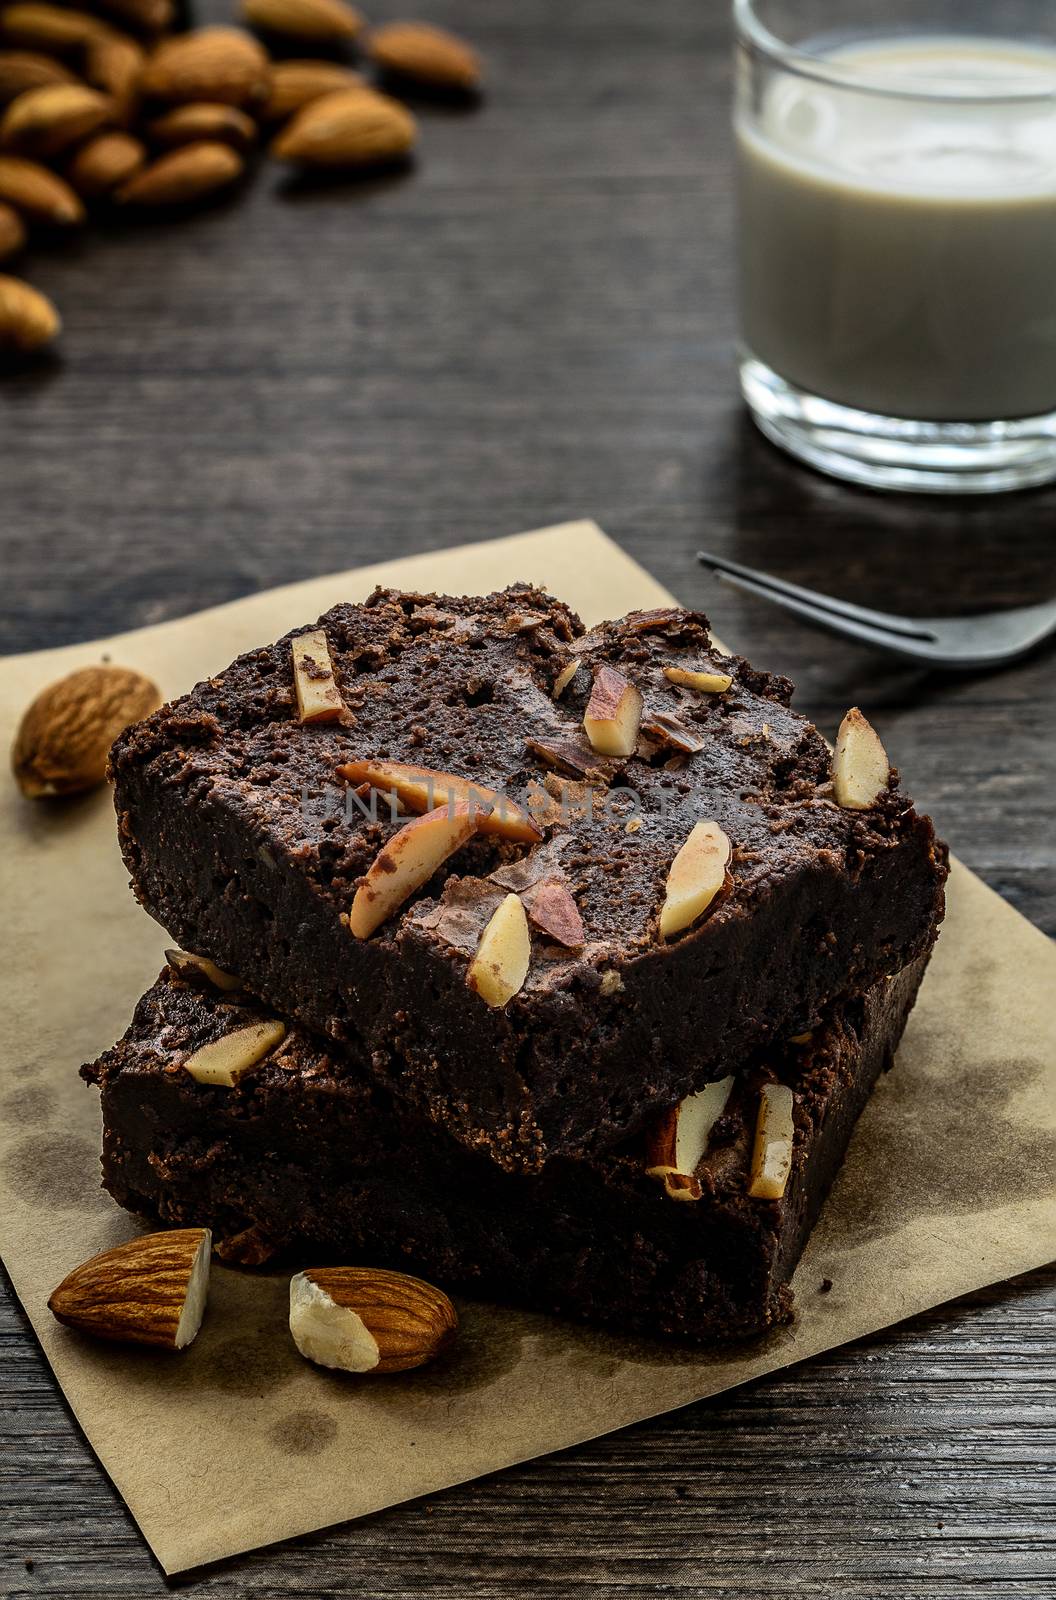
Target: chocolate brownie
column 244, row 841
column 309, row 1156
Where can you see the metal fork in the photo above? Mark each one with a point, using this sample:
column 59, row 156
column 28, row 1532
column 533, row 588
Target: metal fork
column 955, row 644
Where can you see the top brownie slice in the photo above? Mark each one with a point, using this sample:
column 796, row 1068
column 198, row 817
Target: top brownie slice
column 247, row 844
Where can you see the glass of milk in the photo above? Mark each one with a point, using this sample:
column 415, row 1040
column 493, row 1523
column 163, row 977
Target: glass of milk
column 897, row 201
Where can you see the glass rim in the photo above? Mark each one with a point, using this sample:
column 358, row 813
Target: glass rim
column 804, row 64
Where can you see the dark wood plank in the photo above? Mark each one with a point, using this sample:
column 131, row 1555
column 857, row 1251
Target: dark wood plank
column 538, row 323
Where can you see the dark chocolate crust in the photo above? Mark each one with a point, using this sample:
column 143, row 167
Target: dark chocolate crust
column 242, row 844
column 310, row 1157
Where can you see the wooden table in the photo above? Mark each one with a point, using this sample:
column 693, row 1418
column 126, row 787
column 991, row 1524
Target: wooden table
column 536, row 324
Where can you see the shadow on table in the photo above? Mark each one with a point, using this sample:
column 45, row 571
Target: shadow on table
column 916, row 554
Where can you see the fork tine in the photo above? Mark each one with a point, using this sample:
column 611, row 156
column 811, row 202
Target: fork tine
column 919, row 649
column 813, row 604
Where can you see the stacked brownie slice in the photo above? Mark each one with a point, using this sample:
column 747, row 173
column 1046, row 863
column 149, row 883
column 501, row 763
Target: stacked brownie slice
column 552, row 963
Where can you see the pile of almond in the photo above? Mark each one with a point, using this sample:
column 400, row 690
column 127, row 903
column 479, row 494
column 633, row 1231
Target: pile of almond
column 107, row 106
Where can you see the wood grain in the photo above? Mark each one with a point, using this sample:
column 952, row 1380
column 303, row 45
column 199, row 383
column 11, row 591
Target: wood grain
column 538, row 323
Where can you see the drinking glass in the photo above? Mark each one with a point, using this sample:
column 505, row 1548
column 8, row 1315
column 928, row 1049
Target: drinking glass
column 897, row 237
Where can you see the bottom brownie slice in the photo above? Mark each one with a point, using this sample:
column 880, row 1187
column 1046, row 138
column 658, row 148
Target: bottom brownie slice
column 307, row 1156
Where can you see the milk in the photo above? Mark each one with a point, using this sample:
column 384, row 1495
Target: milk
column 898, row 253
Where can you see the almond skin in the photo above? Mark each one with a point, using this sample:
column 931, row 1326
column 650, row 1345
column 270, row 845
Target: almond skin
column 65, row 736
column 352, row 128
column 297, row 83
column 203, row 120
column 44, row 122
column 24, row 69
column 40, row 195
column 322, row 21
column 214, row 64
column 12, row 232
column 193, row 172
column 28, row 319
column 428, row 55
column 138, row 1292
column 53, row 30
column 105, row 162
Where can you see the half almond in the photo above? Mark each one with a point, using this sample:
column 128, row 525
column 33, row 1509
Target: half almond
column 151, row 1290
column 363, row 1319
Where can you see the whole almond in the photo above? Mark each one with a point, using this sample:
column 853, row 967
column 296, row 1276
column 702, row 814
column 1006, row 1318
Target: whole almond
column 202, row 120
column 12, row 232
column 65, row 737
column 45, row 122
column 351, row 128
column 321, row 20
column 297, row 83
column 191, row 173
column 40, row 195
column 363, row 1319
column 151, row 1290
column 428, row 55
column 105, row 162
column 218, row 64
column 51, row 29
column 27, row 318
column 147, row 17
column 116, row 65
column 24, row 69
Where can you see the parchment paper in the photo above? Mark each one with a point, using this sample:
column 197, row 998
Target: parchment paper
column 238, row 1442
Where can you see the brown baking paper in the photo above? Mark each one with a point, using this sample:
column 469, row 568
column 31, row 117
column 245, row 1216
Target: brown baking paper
column 238, row 1442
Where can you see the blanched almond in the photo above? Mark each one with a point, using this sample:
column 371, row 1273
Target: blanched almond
column 704, row 682
column 860, row 768
column 188, row 965
column 697, row 874
column 564, row 678
column 774, row 1139
column 223, row 1061
column 318, row 697
column 500, row 966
